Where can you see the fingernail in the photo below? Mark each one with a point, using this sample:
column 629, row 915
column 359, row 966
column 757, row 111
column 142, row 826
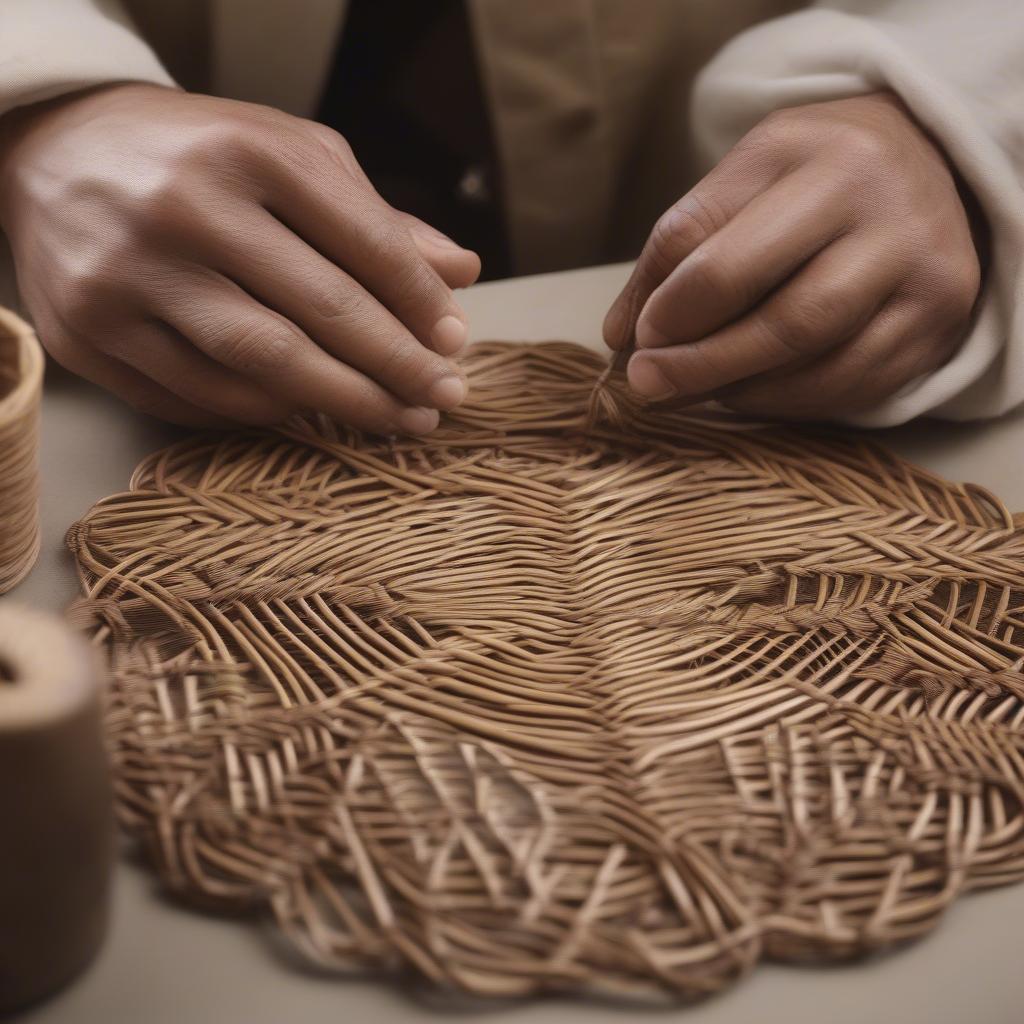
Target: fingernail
column 650, row 337
column 647, row 380
column 415, row 420
column 449, row 335
column 448, row 392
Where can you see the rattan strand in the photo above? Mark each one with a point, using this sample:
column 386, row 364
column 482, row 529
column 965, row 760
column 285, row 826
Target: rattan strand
column 570, row 696
column 21, row 382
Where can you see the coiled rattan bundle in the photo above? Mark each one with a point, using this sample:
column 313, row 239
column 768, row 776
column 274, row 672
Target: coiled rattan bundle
column 21, row 385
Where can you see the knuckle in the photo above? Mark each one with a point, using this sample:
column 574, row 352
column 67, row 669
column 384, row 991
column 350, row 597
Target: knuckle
column 680, row 230
column 782, row 333
column 970, row 283
column 664, row 248
column 402, row 362
column 221, row 147
column 334, row 142
column 774, row 120
column 964, row 288
column 168, row 193
column 861, row 146
column 777, row 125
column 674, row 234
column 258, row 348
column 708, row 274
column 951, row 295
column 165, row 206
column 706, row 211
column 91, row 291
column 390, row 237
column 228, row 140
column 812, row 316
column 331, row 299
column 414, row 285
column 780, row 131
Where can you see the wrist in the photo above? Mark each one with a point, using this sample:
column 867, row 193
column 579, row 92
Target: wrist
column 20, row 126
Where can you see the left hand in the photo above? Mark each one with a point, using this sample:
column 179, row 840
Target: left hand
column 826, row 262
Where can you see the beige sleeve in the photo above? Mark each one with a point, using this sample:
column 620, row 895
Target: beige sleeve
column 51, row 47
column 958, row 67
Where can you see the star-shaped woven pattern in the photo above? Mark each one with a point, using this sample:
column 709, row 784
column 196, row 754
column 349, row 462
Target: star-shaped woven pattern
column 570, row 695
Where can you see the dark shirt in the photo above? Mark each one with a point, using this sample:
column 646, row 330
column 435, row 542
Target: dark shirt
column 405, row 90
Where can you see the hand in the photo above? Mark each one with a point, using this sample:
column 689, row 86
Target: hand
column 214, row 261
column 822, row 265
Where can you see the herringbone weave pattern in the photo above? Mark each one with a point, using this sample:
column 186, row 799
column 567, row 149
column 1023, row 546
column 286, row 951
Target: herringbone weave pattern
column 572, row 694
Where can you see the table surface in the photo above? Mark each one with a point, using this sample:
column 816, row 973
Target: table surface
column 162, row 963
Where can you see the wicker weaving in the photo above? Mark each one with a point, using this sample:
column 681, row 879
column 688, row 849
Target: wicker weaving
column 21, row 384
column 571, row 695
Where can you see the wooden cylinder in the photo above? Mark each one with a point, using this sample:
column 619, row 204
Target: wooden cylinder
column 21, row 383
column 56, row 827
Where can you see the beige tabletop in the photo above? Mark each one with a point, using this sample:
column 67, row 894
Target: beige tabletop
column 164, row 964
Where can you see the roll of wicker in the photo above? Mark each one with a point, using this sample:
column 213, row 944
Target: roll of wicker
column 55, row 806
column 21, row 382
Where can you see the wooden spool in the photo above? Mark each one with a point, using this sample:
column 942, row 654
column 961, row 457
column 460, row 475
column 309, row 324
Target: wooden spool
column 55, row 806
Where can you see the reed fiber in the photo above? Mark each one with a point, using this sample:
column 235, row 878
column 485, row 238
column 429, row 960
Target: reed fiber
column 21, row 383
column 571, row 695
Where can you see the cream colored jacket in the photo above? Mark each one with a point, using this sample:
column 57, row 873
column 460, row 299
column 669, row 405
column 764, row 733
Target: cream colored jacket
column 606, row 111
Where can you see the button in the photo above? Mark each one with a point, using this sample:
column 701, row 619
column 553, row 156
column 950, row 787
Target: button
column 473, row 187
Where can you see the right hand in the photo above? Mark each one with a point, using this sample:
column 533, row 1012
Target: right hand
column 219, row 262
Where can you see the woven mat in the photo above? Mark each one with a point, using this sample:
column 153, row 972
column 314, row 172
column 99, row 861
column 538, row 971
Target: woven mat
column 573, row 695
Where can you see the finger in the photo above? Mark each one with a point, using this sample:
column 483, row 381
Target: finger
column 233, row 329
column 334, row 310
column 729, row 272
column 166, row 357
column 139, row 391
column 354, row 229
column 457, row 267
column 830, row 299
column 898, row 346
column 705, row 209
